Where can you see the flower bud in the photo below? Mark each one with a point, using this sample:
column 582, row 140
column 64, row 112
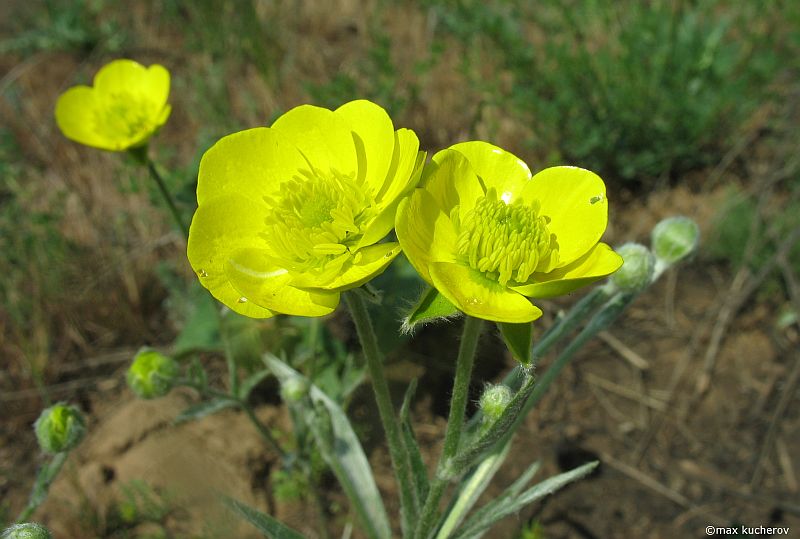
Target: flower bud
column 59, row 428
column 494, row 401
column 637, row 270
column 294, row 389
column 152, row 374
column 28, row 530
column 674, row 239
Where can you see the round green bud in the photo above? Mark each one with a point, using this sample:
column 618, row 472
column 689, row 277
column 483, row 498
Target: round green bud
column 294, row 389
column 29, row 530
column 59, row 428
column 674, row 239
column 637, row 269
column 494, row 401
column 152, row 374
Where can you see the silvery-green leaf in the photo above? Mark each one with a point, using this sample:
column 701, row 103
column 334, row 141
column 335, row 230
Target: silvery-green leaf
column 269, row 526
column 204, row 409
column 342, row 451
column 470, row 490
column 506, row 505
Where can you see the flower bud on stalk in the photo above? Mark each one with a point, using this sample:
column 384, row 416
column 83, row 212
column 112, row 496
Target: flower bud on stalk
column 59, row 428
column 294, row 389
column 152, row 374
column 637, row 271
column 28, row 530
column 674, row 238
column 493, row 403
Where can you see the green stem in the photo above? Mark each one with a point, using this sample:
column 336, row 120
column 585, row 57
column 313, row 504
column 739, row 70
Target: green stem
column 47, row 474
column 401, row 460
column 455, row 420
column 141, row 155
column 162, row 187
column 603, row 319
column 248, row 410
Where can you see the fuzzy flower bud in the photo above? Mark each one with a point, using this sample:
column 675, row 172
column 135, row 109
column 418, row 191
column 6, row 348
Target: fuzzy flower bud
column 28, row 530
column 151, row 374
column 294, row 389
column 637, row 270
column 494, row 401
column 674, row 239
column 59, row 428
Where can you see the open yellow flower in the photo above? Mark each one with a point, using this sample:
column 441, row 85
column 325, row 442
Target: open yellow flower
column 488, row 236
column 291, row 215
column 124, row 108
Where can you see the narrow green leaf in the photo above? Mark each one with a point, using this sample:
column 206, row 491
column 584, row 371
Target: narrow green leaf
column 269, row 526
column 204, row 409
column 197, row 374
column 507, row 504
column 518, row 339
column 504, row 425
column 342, row 451
column 418, row 469
column 469, row 492
column 430, row 307
column 249, row 383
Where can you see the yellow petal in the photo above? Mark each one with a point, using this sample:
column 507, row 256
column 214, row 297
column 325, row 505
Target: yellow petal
column 365, row 265
column 374, row 140
column 75, row 110
column 575, row 201
column 129, row 77
column 450, row 179
column 598, row 263
column 406, row 167
column 219, row 228
column 324, row 138
column 384, row 222
column 259, row 281
column 496, row 168
column 252, row 163
column 425, row 233
column 480, row 297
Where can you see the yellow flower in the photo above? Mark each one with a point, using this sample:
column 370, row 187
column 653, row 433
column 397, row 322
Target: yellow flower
column 488, row 236
column 291, row 215
column 124, row 108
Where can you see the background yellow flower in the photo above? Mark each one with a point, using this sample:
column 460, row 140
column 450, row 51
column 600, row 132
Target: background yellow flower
column 124, row 108
column 488, row 235
column 290, row 215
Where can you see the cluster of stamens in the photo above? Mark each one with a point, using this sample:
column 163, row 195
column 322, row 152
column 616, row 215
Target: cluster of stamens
column 504, row 241
column 315, row 217
column 124, row 114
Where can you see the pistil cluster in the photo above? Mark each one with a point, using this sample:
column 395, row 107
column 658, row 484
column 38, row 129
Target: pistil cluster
column 505, row 241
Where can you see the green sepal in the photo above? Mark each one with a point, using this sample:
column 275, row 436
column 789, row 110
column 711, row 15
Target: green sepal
column 430, row 306
column 518, row 339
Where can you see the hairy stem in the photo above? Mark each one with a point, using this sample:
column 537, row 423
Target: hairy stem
column 401, row 460
column 455, row 421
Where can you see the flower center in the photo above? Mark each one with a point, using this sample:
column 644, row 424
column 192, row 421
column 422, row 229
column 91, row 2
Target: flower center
column 124, row 116
column 315, row 218
column 505, row 241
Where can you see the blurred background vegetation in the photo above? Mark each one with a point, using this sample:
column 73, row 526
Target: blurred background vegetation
column 697, row 97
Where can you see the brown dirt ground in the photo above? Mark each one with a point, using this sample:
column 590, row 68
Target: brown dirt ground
column 673, row 459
